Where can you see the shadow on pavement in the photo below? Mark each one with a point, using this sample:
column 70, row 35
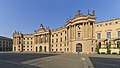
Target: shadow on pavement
column 100, row 62
column 21, row 57
column 13, row 60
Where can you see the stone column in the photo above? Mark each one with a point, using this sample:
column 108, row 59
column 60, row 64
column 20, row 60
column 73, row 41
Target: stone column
column 74, row 32
column 70, row 32
column 44, row 38
column 35, row 40
column 83, row 30
column 38, row 40
column 67, row 33
column 89, row 29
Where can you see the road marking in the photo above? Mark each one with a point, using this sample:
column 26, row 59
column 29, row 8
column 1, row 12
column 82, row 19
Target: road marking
column 115, row 60
column 83, row 58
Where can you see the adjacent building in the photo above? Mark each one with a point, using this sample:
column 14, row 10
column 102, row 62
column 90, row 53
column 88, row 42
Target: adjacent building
column 5, row 44
column 108, row 35
column 79, row 34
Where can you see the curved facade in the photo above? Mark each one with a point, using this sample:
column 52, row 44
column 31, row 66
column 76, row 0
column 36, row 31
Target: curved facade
column 79, row 34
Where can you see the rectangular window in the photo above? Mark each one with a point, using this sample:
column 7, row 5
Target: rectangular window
column 56, row 49
column 98, row 35
column 61, row 40
column 61, row 33
column 64, row 44
column 56, row 40
column 56, row 45
column 60, row 45
column 108, row 34
column 23, row 42
column 52, row 45
column 27, row 42
column 78, row 35
column 60, row 49
column 65, row 38
column 64, row 49
column 118, row 34
column 67, row 49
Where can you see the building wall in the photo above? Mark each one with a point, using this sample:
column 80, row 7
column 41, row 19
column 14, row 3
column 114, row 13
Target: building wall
column 79, row 34
column 59, row 40
column 5, row 44
column 112, row 26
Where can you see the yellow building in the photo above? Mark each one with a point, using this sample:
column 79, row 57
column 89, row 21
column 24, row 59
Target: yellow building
column 108, row 34
column 80, row 34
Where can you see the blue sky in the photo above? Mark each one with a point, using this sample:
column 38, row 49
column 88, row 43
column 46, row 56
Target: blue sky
column 27, row 15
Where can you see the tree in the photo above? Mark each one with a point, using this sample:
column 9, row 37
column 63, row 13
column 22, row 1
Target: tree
column 97, row 49
column 108, row 47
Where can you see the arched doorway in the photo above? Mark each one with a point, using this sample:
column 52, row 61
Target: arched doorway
column 78, row 47
column 44, row 48
column 40, row 49
column 36, row 49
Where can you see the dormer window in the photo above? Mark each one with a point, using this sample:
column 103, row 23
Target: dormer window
column 109, row 23
column 116, row 22
column 78, row 26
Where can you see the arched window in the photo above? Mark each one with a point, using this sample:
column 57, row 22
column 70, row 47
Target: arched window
column 99, row 44
column 118, row 44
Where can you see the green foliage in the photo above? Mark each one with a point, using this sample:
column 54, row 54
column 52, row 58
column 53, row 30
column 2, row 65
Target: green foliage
column 97, row 49
column 108, row 48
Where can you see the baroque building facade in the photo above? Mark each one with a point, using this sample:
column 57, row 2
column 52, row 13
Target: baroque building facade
column 80, row 34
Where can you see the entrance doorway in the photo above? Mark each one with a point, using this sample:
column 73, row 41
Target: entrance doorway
column 36, row 49
column 78, row 47
column 40, row 49
column 45, row 49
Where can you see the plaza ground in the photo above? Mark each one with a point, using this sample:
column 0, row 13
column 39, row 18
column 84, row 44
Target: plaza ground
column 52, row 60
column 105, row 61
